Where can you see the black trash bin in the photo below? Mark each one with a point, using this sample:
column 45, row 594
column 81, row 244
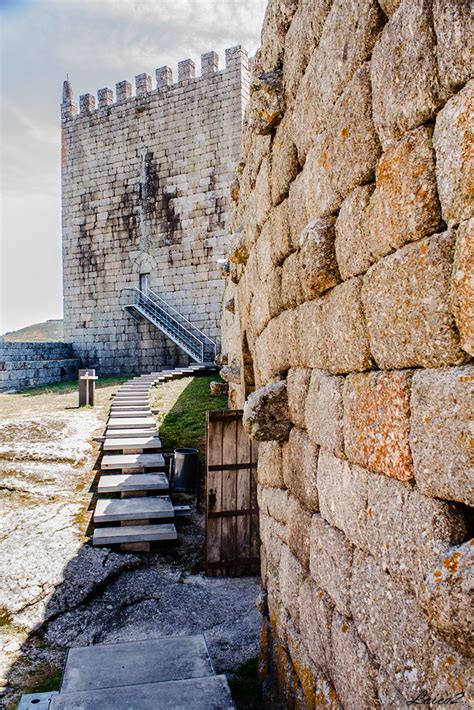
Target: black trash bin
column 185, row 470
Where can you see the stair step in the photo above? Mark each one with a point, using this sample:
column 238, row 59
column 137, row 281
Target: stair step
column 128, row 413
column 134, row 533
column 121, row 483
column 113, row 510
column 133, row 405
column 131, row 423
column 132, row 399
column 149, row 442
column 125, row 461
column 136, row 662
column 195, row 693
column 146, row 432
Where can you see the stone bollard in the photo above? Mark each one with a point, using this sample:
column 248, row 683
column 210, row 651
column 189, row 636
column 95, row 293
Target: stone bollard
column 87, row 380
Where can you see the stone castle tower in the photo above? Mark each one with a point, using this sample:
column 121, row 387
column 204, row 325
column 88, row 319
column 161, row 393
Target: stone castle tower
column 145, row 184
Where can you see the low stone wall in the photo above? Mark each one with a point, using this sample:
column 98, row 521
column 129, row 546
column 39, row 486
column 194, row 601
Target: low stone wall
column 347, row 331
column 32, row 364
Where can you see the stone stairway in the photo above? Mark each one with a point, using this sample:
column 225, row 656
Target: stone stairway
column 169, row 673
column 134, row 470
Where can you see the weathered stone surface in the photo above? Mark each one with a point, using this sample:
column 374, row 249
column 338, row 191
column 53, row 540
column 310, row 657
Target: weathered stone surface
column 322, row 197
column 407, row 304
column 342, row 491
column 345, row 330
column 317, row 258
column 323, row 411
column 355, row 148
column 353, row 245
column 297, row 211
column 388, row 694
column 285, row 164
column 353, row 670
column 218, row 388
column 270, row 471
column 441, row 405
column 275, row 346
column 300, row 464
column 274, row 502
column 377, row 422
column 291, row 578
column 331, row 562
column 463, row 284
column 298, row 379
column 291, row 283
column 316, row 611
column 452, row 140
column 266, row 101
column 231, row 373
column 406, row 531
column 405, row 84
column 389, row 6
column 312, row 346
column 277, row 20
column 454, row 31
column 278, row 224
column 397, row 633
column 299, row 530
column 273, row 289
column 266, row 416
column 446, row 596
column 404, row 206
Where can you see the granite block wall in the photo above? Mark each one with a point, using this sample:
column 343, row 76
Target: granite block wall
column 31, row 364
column 145, row 183
column 347, row 339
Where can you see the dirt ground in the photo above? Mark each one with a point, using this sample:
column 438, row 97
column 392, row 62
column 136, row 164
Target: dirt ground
column 57, row 591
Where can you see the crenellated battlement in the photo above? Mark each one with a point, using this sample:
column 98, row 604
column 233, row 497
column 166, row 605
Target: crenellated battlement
column 234, row 57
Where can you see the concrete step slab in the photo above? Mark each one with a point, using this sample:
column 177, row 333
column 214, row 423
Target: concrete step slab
column 126, row 461
column 125, row 482
column 197, row 693
column 136, row 662
column 127, row 413
column 146, row 432
column 130, row 404
column 117, row 509
column 134, row 533
column 130, row 423
column 149, row 442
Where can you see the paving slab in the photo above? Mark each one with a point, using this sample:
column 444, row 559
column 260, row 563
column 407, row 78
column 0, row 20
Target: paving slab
column 196, row 693
column 148, row 442
column 136, row 662
column 36, row 701
column 130, row 423
column 120, row 483
column 145, row 432
column 134, row 533
column 116, row 509
column 124, row 461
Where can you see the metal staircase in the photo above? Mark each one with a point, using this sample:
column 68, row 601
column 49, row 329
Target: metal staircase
column 172, row 323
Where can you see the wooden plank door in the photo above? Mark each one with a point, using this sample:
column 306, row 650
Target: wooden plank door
column 232, row 536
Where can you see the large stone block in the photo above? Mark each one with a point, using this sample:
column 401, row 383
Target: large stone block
column 317, row 258
column 280, row 242
column 316, row 611
column 291, row 284
column 266, row 416
column 353, row 247
column 452, row 140
column 342, row 491
column 298, row 379
column 323, row 411
column 441, row 405
column 274, row 502
column 276, row 348
column 406, row 531
column 463, row 285
column 300, row 465
column 397, row 633
column 405, row 84
column 408, row 307
column 285, row 164
column 345, row 330
column 292, row 575
column 404, row 206
column 270, row 472
column 446, row 597
column 355, row 148
column 331, row 562
column 299, row 530
column 297, row 211
column 454, row 31
column 321, row 196
column 377, row 422
column 353, row 670
column 312, row 349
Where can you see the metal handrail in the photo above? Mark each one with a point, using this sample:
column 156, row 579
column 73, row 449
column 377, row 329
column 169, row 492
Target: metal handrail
column 157, row 309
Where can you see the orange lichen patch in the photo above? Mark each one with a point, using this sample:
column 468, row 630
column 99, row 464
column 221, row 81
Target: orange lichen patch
column 438, row 575
column 451, row 563
column 345, row 628
column 345, row 133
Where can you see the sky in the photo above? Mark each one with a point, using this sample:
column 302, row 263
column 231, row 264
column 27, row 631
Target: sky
column 97, row 43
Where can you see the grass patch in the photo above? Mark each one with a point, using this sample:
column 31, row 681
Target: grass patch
column 43, row 678
column 245, row 687
column 5, row 617
column 71, row 386
column 185, row 424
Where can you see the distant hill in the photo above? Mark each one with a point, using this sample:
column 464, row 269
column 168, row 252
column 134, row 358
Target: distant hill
column 50, row 330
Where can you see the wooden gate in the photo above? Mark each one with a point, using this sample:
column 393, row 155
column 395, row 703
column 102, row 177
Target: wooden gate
column 232, row 537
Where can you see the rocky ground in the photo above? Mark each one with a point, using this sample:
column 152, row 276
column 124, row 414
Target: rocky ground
column 57, row 591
